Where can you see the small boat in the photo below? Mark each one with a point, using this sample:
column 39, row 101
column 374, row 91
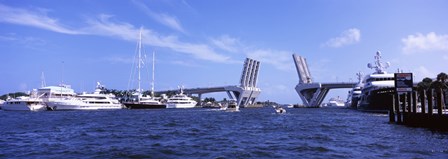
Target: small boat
column 230, row 106
column 180, row 100
column 279, row 110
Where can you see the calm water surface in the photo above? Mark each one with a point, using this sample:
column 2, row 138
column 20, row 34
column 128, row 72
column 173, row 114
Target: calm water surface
column 207, row 133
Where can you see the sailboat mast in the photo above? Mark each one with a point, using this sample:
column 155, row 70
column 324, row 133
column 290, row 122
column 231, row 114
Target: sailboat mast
column 139, row 60
column 152, row 82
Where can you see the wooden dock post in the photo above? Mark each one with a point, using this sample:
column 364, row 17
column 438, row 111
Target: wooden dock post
column 430, row 102
column 414, row 102
column 397, row 107
column 423, row 101
column 403, row 107
column 392, row 110
column 409, row 100
column 439, row 100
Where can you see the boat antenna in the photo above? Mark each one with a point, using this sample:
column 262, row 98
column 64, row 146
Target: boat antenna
column 379, row 66
column 42, row 78
column 62, row 73
column 359, row 76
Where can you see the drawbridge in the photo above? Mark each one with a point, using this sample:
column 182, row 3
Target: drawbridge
column 313, row 93
column 244, row 94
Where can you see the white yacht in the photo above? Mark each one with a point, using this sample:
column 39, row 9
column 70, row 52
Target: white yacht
column 97, row 100
column 335, row 102
column 32, row 103
column 355, row 94
column 180, row 101
column 378, row 88
column 63, row 98
column 52, row 95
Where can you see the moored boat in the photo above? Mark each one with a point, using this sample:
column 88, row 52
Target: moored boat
column 24, row 104
column 378, row 88
column 180, row 100
column 138, row 100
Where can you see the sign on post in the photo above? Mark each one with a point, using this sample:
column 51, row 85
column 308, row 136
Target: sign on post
column 403, row 82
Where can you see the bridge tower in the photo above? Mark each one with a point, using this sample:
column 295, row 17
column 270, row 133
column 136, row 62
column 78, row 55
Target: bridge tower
column 247, row 92
column 312, row 93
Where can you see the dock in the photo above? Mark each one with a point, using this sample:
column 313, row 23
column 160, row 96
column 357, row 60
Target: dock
column 424, row 108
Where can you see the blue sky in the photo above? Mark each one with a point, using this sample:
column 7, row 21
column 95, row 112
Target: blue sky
column 204, row 43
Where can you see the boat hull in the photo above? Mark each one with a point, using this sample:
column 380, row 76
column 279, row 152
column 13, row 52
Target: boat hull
column 379, row 101
column 144, row 106
column 180, row 105
column 82, row 106
column 22, row 106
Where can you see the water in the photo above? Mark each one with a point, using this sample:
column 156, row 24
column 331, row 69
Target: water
column 207, row 133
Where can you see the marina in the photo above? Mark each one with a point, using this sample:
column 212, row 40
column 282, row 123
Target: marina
column 224, row 79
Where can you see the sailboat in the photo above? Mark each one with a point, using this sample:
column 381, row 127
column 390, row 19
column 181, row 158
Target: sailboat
column 138, row 100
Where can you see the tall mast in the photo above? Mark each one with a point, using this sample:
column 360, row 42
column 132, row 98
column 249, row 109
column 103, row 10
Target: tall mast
column 152, row 82
column 139, row 60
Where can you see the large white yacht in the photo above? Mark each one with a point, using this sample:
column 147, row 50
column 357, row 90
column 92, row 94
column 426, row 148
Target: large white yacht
column 180, row 101
column 32, row 103
column 378, row 88
column 63, row 98
column 138, row 100
column 97, row 100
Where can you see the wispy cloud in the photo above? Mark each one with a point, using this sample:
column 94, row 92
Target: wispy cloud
column 37, row 19
column 347, row 37
column 165, row 19
column 226, row 43
column 104, row 26
column 424, row 43
column 281, row 60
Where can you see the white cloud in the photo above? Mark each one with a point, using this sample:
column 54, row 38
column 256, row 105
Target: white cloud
column 226, row 43
column 167, row 20
column 281, row 60
column 103, row 26
column 32, row 18
column 425, row 43
column 347, row 37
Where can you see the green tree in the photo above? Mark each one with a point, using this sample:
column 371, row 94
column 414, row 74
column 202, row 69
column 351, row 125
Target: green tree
column 440, row 82
column 424, row 84
column 13, row 95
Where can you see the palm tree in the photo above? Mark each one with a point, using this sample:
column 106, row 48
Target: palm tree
column 440, row 82
column 424, row 84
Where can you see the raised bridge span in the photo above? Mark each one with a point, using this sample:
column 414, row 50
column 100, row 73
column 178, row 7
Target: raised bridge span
column 313, row 93
column 244, row 94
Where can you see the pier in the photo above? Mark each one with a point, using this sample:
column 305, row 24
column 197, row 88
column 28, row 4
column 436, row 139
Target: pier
column 244, row 94
column 420, row 109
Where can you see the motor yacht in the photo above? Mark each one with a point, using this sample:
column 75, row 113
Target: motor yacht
column 378, row 88
column 180, row 100
column 31, row 103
